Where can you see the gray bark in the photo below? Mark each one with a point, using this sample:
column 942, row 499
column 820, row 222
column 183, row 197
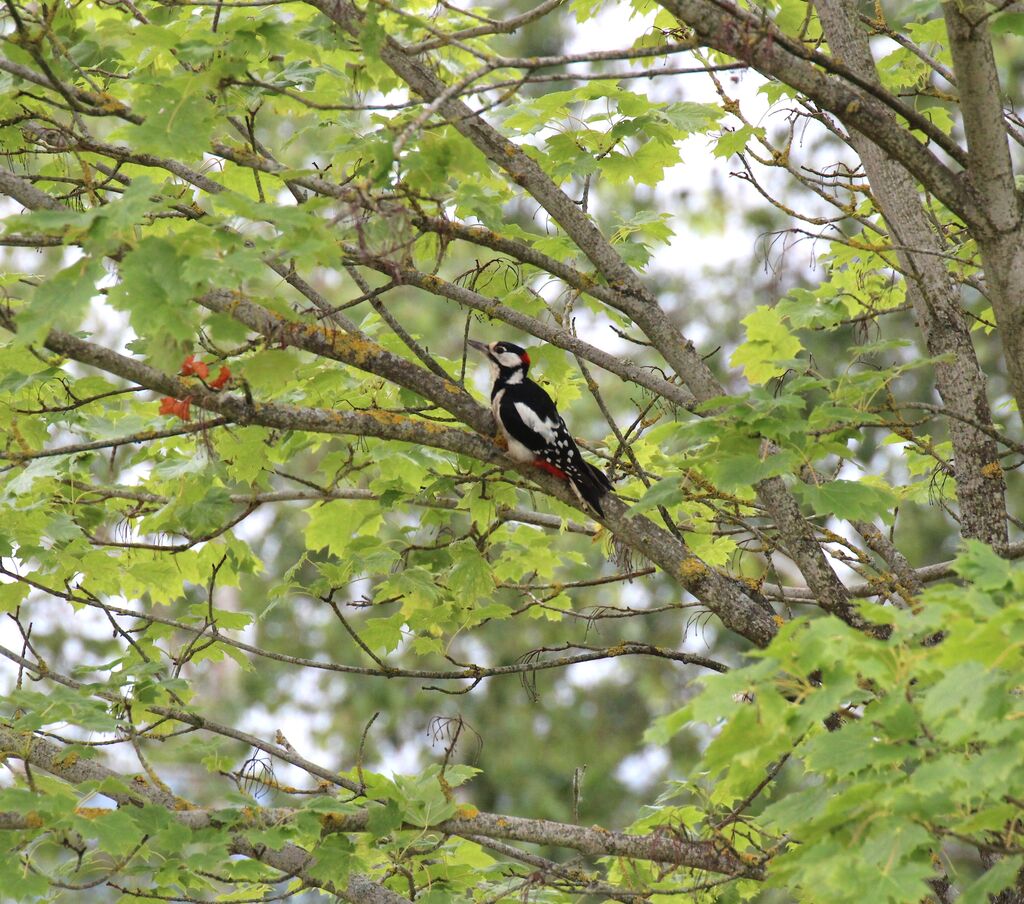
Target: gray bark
column 52, row 757
column 1001, row 234
column 960, row 381
column 590, row 840
column 748, row 36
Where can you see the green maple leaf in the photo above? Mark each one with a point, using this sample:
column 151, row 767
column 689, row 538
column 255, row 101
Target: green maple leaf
column 769, row 344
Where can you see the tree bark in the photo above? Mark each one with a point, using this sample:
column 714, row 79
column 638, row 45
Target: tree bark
column 1000, row 236
column 748, row 36
column 961, row 383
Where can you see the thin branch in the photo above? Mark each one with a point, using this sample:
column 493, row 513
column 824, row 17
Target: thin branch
column 143, row 436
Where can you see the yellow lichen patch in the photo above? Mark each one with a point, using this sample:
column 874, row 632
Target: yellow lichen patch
column 243, row 155
column 66, row 761
column 315, row 331
column 181, row 804
column 33, row 820
column 992, row 470
column 446, row 789
column 332, row 822
column 693, row 568
column 356, row 349
column 92, row 812
column 386, row 417
column 779, row 620
column 831, row 536
column 467, row 811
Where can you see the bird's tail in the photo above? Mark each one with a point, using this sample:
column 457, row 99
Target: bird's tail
column 593, row 486
column 600, row 477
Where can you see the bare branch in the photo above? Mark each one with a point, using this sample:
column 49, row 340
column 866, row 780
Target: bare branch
column 290, row 858
column 726, row 597
column 747, row 35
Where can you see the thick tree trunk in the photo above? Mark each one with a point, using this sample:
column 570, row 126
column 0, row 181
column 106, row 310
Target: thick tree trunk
column 990, row 173
column 960, row 380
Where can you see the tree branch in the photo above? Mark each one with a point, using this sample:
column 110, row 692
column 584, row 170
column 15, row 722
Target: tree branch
column 527, row 173
column 724, row 596
column 1001, row 235
column 557, row 336
column 593, row 840
column 959, row 377
column 290, row 859
column 748, row 36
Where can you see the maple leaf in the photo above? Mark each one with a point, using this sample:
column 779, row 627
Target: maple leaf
column 179, row 407
column 223, row 377
column 193, row 366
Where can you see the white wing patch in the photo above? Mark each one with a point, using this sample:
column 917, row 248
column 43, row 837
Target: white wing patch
column 544, row 426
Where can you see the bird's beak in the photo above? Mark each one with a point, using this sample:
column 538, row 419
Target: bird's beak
column 479, row 346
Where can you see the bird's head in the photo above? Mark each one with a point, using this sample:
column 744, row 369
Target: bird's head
column 506, row 359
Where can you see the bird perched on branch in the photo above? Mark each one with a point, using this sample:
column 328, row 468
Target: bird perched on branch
column 533, row 427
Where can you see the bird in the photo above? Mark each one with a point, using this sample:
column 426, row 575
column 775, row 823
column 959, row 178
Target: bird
column 534, row 429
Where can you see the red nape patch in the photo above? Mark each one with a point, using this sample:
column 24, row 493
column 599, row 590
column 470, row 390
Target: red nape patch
column 525, row 359
column 550, row 468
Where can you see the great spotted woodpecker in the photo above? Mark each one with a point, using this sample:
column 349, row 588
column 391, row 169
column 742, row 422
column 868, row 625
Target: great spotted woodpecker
column 530, row 422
